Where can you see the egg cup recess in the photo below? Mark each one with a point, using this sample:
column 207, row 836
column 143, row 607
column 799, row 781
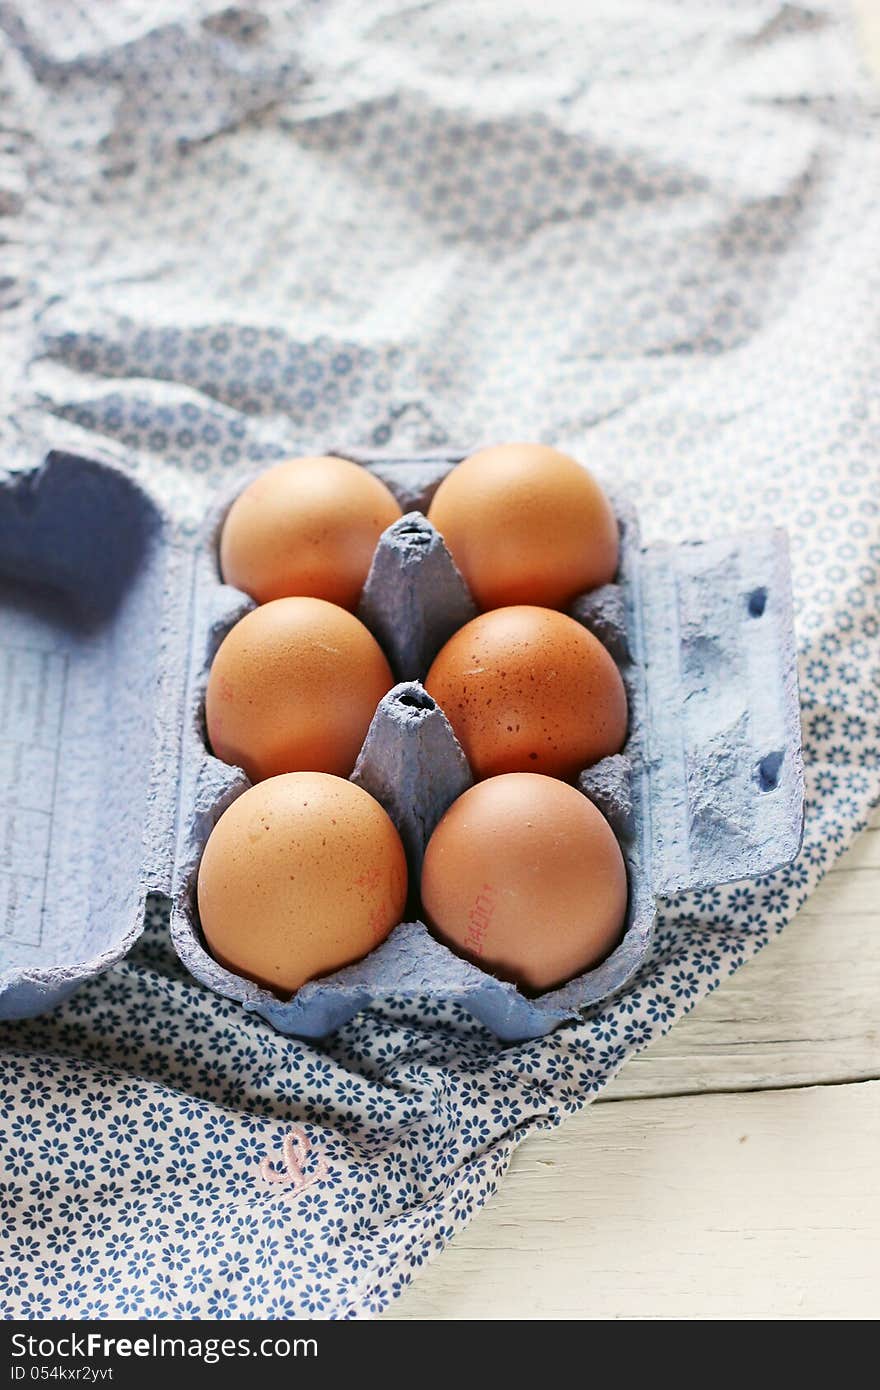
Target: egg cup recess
column 712, row 692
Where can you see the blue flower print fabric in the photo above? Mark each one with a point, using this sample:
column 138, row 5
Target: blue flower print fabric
column 645, row 234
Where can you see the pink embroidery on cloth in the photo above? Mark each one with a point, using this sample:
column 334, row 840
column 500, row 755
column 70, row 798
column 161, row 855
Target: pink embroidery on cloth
column 296, row 1148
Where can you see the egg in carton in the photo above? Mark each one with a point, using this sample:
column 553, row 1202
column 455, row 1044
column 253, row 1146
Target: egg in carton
column 112, row 615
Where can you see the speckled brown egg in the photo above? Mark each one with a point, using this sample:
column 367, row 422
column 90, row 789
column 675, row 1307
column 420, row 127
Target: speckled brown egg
column 524, row 877
column 529, row 690
column 308, row 526
column 293, row 688
column 300, row 876
column 526, row 524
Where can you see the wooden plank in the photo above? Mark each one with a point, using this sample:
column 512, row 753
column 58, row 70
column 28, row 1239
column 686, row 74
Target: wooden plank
column 856, row 892
column 805, row 1010
column 762, row 1205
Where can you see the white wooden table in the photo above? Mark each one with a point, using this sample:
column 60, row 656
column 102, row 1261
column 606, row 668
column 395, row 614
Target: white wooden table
column 732, row 1170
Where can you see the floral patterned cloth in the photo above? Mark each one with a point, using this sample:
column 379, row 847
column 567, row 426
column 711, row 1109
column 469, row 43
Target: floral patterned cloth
column 646, row 233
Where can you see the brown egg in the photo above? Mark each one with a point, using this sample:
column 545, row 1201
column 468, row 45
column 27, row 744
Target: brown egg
column 524, row 877
column 309, row 526
column 301, row 875
column 293, row 688
column 526, row 524
column 529, row 690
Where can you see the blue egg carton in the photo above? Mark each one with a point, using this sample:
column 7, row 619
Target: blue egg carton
column 111, row 615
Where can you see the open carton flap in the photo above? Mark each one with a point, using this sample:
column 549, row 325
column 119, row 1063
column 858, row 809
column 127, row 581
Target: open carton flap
column 90, row 761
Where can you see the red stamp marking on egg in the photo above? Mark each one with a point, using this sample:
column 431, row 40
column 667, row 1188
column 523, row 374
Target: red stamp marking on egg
column 377, row 921
column 369, row 879
column 480, row 918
